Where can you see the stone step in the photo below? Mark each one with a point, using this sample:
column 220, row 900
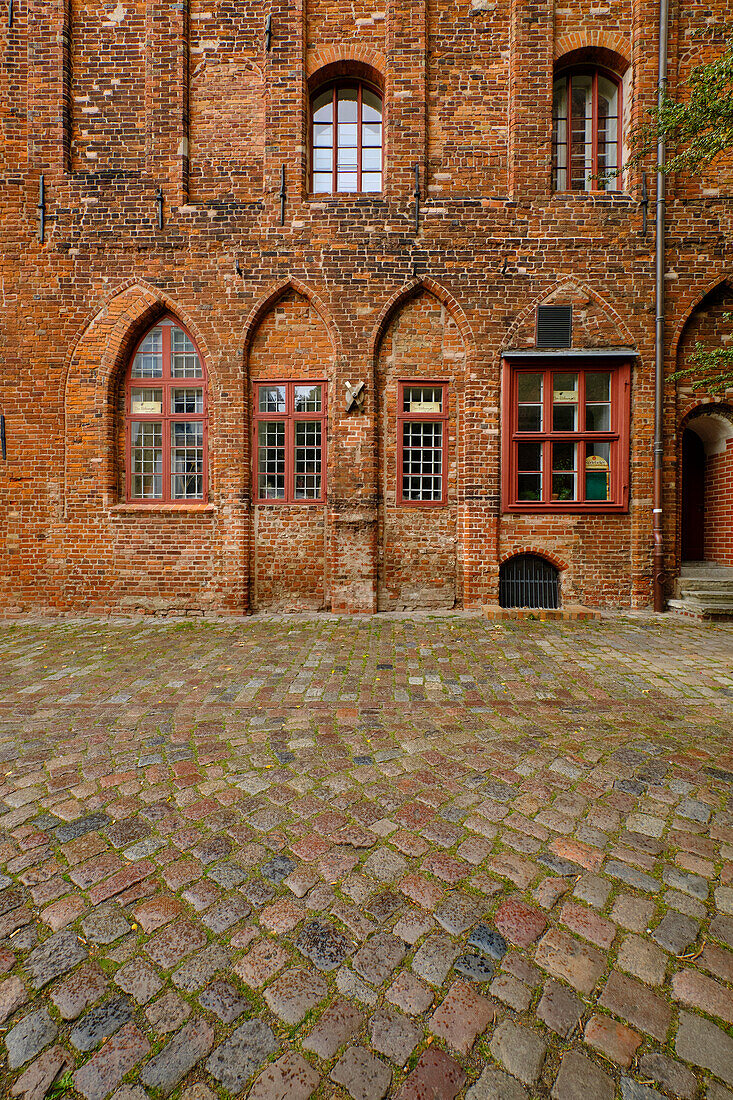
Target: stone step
column 699, row 609
column 705, row 591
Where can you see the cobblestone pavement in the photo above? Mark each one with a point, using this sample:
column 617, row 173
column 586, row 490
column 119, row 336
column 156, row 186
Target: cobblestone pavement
column 413, row 857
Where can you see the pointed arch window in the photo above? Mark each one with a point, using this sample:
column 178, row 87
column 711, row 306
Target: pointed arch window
column 346, row 138
column 166, row 418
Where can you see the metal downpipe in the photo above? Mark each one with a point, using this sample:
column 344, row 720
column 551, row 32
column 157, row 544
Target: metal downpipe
column 657, row 489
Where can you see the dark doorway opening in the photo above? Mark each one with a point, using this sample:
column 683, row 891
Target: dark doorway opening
column 693, row 497
column 528, row 581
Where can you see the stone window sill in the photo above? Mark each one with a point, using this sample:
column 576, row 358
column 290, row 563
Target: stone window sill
column 146, row 508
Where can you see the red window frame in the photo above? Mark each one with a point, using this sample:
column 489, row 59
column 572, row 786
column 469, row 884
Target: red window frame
column 617, row 436
column 289, row 417
column 167, row 383
column 334, row 88
column 425, row 418
column 567, row 75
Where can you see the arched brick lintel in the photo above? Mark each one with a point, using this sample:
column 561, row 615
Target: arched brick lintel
column 553, row 559
column 595, row 40
column 93, row 370
column 577, row 287
column 334, row 55
column 411, row 290
column 719, row 282
column 273, row 296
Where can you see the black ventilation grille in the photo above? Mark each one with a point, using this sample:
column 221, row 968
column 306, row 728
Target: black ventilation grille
column 554, row 326
column 528, row 581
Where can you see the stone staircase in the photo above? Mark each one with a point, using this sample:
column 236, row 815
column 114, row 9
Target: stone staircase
column 704, row 590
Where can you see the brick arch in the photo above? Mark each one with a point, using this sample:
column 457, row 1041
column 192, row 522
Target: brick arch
column 595, row 40
column 273, row 295
column 411, row 290
column 94, row 366
column 344, row 54
column 720, row 282
column 576, row 287
column 559, row 563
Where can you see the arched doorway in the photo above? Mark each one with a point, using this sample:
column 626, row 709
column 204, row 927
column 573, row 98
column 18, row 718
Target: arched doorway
column 706, row 486
column 693, row 497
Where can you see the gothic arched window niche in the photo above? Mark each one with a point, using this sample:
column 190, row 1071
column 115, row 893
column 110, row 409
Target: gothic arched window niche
column 166, row 418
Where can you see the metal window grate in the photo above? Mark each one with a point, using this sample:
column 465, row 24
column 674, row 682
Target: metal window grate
column 528, row 581
column 554, row 326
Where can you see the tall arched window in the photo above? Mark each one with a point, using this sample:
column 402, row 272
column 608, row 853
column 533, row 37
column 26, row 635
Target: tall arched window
column 586, row 131
column 165, row 417
column 346, row 138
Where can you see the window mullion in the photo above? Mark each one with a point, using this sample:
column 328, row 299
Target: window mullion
column 358, row 137
column 335, row 144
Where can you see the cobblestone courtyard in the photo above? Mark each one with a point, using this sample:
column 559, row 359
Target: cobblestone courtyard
column 416, row 857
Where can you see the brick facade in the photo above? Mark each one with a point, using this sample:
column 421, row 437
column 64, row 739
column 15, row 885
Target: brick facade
column 112, row 102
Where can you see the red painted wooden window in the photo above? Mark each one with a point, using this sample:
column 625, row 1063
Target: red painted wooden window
column 566, row 438
column 166, row 418
column 422, row 442
column 289, row 442
column 346, row 139
column 586, row 131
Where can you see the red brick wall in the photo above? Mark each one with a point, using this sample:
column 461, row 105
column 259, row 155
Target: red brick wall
column 719, row 506
column 184, row 96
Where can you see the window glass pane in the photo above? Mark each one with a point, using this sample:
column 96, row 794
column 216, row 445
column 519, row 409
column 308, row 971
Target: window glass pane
column 346, row 159
column 371, row 105
column 271, row 460
column 307, row 458
column 185, row 362
column 145, row 401
column 187, row 401
column 597, row 471
column 272, row 399
column 529, row 456
column 308, row 398
column 530, row 418
column 607, row 128
column 564, row 387
column 322, row 183
column 598, row 418
column 371, row 134
column 564, row 391
column 530, row 487
column 323, row 107
column 322, row 135
column 371, row 160
column 530, row 388
column 422, row 399
column 422, row 461
column 371, row 181
column 347, row 134
column 187, row 460
column 598, row 386
column 346, row 181
column 146, row 460
column 564, row 455
column 563, row 487
column 581, row 133
column 347, row 105
column 148, row 362
column 565, row 418
column 564, row 464
column 323, row 160
column 559, row 134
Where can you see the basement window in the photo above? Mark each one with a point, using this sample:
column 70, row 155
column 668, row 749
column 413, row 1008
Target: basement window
column 528, row 580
